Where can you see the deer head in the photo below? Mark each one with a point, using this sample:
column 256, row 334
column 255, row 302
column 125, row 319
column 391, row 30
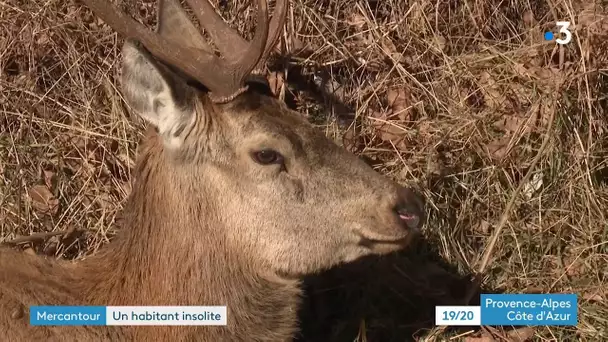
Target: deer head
column 278, row 190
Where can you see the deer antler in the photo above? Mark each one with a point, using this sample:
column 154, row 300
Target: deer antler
column 218, row 29
column 224, row 77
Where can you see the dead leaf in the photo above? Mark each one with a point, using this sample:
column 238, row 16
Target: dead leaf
column 391, row 133
column 386, row 129
column 356, row 20
column 593, row 297
column 440, row 42
column 483, row 227
column 433, row 164
column 391, row 124
column 276, row 81
column 399, row 102
column 43, row 38
column 592, row 17
column 498, row 148
column 521, row 69
column 573, row 266
column 552, row 77
column 43, row 200
column 48, row 178
column 351, row 140
column 105, row 200
column 479, row 339
column 516, row 335
column 396, row 99
column 491, row 90
column 427, row 131
column 533, row 185
column 389, row 48
column 525, row 124
column 534, row 120
column 334, row 88
column 521, row 334
column 297, row 45
column 510, row 123
column 528, row 17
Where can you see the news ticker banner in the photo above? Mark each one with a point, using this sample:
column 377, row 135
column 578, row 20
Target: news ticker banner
column 494, row 309
column 127, row 315
column 513, row 310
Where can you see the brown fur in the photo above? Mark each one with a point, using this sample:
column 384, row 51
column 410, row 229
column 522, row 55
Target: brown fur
column 135, row 269
column 207, row 225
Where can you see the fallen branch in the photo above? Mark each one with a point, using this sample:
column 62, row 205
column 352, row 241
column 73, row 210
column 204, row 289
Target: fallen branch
column 34, row 237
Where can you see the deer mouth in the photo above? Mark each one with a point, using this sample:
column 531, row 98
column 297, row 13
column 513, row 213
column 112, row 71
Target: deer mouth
column 411, row 221
column 372, row 242
column 410, row 226
column 410, row 216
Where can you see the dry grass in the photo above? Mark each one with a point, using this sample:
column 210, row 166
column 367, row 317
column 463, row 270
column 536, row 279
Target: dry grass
column 454, row 96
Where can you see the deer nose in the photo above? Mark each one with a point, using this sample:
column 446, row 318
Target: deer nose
column 410, row 208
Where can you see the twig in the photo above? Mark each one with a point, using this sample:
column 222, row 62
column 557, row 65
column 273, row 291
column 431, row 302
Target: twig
column 507, row 211
column 33, row 237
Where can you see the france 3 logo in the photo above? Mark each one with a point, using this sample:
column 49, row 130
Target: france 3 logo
column 563, row 27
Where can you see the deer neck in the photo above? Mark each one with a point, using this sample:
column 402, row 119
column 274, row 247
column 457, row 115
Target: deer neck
column 156, row 260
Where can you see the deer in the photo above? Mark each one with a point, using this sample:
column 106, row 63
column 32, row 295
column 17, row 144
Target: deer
column 235, row 197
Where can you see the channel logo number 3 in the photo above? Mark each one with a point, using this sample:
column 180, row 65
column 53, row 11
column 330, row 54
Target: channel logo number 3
column 563, row 29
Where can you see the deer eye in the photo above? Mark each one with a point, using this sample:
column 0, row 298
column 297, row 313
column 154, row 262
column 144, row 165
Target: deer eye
column 267, row 157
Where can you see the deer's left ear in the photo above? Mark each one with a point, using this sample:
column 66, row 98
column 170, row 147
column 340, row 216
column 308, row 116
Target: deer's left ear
column 158, row 95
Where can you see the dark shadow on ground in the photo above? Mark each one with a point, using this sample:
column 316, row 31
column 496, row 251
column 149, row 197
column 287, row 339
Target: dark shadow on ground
column 392, row 298
column 322, row 91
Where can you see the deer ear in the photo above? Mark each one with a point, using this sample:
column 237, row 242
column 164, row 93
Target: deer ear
column 157, row 94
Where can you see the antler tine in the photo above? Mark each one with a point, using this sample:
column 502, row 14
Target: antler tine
column 228, row 40
column 241, row 56
column 276, row 26
column 194, row 62
column 224, row 78
column 252, row 55
column 218, row 29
